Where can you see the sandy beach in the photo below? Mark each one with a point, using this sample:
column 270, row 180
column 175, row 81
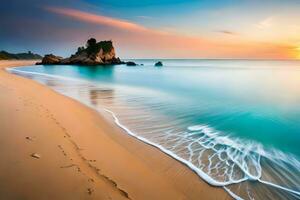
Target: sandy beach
column 53, row 147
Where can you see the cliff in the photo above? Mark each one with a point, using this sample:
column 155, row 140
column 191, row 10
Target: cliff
column 95, row 53
column 4, row 55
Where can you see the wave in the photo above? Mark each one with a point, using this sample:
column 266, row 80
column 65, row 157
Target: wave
column 215, row 137
column 216, row 157
column 14, row 70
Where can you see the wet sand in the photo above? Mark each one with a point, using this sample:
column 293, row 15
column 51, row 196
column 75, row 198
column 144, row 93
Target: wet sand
column 53, row 147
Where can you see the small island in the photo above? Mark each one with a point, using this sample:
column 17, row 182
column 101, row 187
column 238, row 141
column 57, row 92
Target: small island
column 95, row 53
column 158, row 64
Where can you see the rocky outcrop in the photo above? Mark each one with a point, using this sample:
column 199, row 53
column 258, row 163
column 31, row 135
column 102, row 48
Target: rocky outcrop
column 130, row 63
column 95, row 53
column 51, row 59
column 158, row 64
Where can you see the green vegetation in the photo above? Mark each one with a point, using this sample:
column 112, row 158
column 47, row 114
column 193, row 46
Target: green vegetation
column 93, row 47
column 105, row 45
column 91, row 43
column 19, row 56
column 79, row 50
column 4, row 55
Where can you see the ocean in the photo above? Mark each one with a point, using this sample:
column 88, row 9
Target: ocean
column 236, row 123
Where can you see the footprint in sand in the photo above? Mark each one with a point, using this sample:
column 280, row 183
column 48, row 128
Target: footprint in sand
column 29, row 138
column 35, row 155
column 90, row 191
column 91, row 180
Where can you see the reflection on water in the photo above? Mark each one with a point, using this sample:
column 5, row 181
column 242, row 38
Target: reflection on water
column 235, row 123
column 52, row 83
column 97, row 94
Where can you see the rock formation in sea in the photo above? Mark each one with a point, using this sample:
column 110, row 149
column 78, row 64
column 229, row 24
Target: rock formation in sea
column 51, row 59
column 130, row 63
column 158, row 64
column 95, row 53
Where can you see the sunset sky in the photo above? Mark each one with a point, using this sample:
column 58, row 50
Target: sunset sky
column 155, row 28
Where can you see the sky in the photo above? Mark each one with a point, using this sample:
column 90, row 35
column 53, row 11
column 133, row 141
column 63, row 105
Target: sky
column 238, row 29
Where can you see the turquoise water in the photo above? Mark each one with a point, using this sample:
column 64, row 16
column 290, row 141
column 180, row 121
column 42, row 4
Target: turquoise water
column 236, row 123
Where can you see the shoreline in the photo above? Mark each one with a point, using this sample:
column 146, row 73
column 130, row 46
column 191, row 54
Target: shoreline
column 129, row 168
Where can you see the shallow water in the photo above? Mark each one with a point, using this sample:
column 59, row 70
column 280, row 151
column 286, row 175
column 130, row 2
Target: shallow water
column 234, row 122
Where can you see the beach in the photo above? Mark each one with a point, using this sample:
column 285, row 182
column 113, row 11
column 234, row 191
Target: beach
column 53, row 147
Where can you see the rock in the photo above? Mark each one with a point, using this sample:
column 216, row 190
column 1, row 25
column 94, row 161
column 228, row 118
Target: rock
column 95, row 53
column 130, row 63
column 158, row 64
column 29, row 138
column 51, row 59
column 35, row 155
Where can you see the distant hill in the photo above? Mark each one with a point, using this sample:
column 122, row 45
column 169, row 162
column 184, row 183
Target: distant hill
column 4, row 55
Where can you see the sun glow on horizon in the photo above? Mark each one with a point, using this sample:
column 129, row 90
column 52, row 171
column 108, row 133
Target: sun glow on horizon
column 297, row 49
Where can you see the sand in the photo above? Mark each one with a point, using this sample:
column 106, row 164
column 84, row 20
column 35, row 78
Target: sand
column 53, row 147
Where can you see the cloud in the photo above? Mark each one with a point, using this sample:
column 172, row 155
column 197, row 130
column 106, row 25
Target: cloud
column 226, row 32
column 97, row 19
column 266, row 23
column 145, row 17
column 143, row 42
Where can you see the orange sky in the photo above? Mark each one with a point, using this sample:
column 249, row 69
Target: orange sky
column 174, row 44
column 156, row 28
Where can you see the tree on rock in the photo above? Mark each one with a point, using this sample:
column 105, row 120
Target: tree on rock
column 91, row 42
column 79, row 50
